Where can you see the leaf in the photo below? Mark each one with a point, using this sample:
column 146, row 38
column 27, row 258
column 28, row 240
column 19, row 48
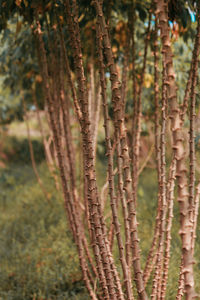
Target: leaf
column 18, row 27
column 26, row 3
column 185, row 17
column 148, row 80
column 142, row 13
column 29, row 74
column 48, row 6
column 38, row 78
column 18, row 2
column 6, row 33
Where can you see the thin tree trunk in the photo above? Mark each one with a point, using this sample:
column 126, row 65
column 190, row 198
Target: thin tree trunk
column 178, row 147
column 120, row 129
column 113, row 199
column 137, row 120
column 163, row 209
column 100, row 243
column 49, row 158
column 68, row 203
column 151, row 256
column 46, row 195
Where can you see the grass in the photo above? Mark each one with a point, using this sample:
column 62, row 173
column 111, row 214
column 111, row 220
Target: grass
column 38, row 259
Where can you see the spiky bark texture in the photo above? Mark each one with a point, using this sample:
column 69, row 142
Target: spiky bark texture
column 179, row 151
column 121, row 131
column 105, row 227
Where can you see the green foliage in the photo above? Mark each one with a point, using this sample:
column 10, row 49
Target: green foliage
column 37, row 256
column 17, row 150
column 18, row 59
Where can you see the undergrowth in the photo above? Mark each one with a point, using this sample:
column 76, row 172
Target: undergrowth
column 38, row 259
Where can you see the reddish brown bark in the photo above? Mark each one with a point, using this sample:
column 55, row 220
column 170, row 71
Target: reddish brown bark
column 100, row 243
column 113, row 199
column 163, row 207
column 192, row 154
column 179, row 152
column 152, row 256
column 121, row 131
column 70, row 208
column 137, row 116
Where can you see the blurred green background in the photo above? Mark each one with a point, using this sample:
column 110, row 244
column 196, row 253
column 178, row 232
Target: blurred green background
column 38, row 259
